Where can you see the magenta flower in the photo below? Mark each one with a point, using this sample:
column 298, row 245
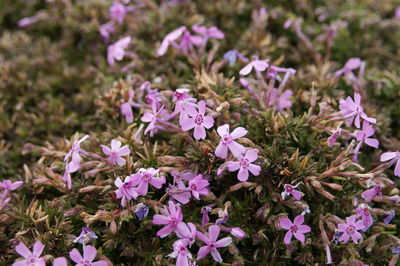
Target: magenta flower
column 363, row 136
column 244, row 165
column 212, row 32
column 146, row 177
column 116, row 152
column 181, row 253
column 370, row 194
column 366, row 217
column 198, row 186
column 126, row 108
column 171, row 217
column 258, row 65
column 116, row 51
column 198, row 120
column 30, row 258
column 296, row 229
column 394, row 157
column 106, row 29
column 186, row 232
column 349, row 229
column 118, row 12
column 227, row 141
column 352, row 111
column 179, row 192
column 61, row 261
column 169, row 39
column 126, row 190
column 212, row 243
column 290, row 190
column 351, row 64
column 333, row 137
column 89, row 253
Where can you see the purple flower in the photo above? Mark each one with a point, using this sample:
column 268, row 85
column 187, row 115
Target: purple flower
column 141, row 211
column 179, row 192
column 183, row 107
column 366, row 217
column 204, row 212
column 258, row 65
column 8, row 185
column 116, row 51
column 118, row 12
column 181, row 253
column 126, row 189
column 237, row 232
column 188, row 41
column 389, row 218
column 198, row 186
column 186, row 232
column 296, row 228
column 212, row 32
column 85, row 236
column 72, row 160
column 152, row 118
column 232, row 55
column 351, row 64
column 170, row 38
column 116, row 152
column 184, row 175
column 212, row 243
column 171, row 217
column 396, row 250
column 276, row 102
column 394, row 157
column 89, row 253
column 60, row 261
column 25, row 22
column 352, row 111
column 397, row 13
column 333, row 137
column 227, row 141
column 106, row 29
column 30, row 258
column 126, row 108
column 370, row 194
column 290, row 190
column 349, row 229
column 146, row 177
column 198, row 120
column 244, row 165
column 363, row 136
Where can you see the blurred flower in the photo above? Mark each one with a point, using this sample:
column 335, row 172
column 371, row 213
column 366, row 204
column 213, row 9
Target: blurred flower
column 258, row 65
column 118, row 12
column 352, row 111
column 116, row 51
column 351, row 64
column 212, row 32
column 106, row 29
column 126, row 108
column 232, row 55
column 170, row 38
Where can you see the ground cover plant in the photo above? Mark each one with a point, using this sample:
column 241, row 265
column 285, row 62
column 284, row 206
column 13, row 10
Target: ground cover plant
column 205, row 132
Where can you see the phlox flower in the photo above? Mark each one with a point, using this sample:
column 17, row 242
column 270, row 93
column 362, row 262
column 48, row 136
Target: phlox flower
column 212, row 243
column 152, row 118
column 370, row 194
column 89, row 253
column 232, row 55
column 198, row 186
column 126, row 190
column 85, row 236
column 126, row 108
column 118, row 12
column 296, row 229
column 179, row 192
column 349, row 229
column 363, row 212
column 8, row 185
column 61, row 261
column 227, row 141
column 237, row 232
column 389, row 218
column 186, row 232
column 276, row 102
column 171, row 217
column 146, row 177
column 210, row 33
column 141, row 211
column 198, row 120
column 394, row 157
column 353, row 111
column 116, row 152
column 290, row 190
column 351, row 64
column 184, row 107
column 244, row 165
column 181, row 253
column 72, row 160
column 363, row 136
column 106, row 29
column 188, row 41
column 169, row 39
column 183, row 175
column 30, row 258
column 257, row 64
column 116, row 51
column 333, row 137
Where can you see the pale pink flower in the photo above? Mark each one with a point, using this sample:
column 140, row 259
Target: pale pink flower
column 188, row 41
column 296, row 229
column 186, row 232
column 244, row 165
column 366, row 217
column 198, row 186
column 152, row 118
column 198, row 120
column 212, row 243
column 106, row 29
column 116, row 51
column 181, row 253
column 183, row 175
column 61, row 261
column 258, row 65
column 116, row 152
column 8, row 185
column 370, row 194
column 353, row 111
column 89, row 253
column 227, row 141
column 212, row 32
column 118, row 12
column 170, row 217
column 126, row 108
column 146, row 177
column 169, row 39
column 237, row 232
column 349, row 229
column 126, row 190
column 394, row 157
column 363, row 136
column 290, row 190
column 30, row 258
column 333, row 137
column 72, row 160
column 179, row 192
column 351, row 64
column 183, row 107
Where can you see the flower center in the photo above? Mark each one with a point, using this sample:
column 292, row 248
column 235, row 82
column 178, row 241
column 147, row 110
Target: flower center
column 289, row 189
column 146, row 177
column 31, row 259
column 226, row 139
column 198, row 120
column 350, row 230
column 193, row 187
column 293, row 228
column 244, row 163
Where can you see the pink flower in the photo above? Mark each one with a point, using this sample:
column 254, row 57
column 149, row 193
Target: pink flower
column 290, row 190
column 352, row 111
column 116, row 51
column 370, row 194
column 258, row 65
column 227, row 141
column 116, row 152
column 183, row 107
column 198, row 186
column 184, row 175
column 181, row 253
column 146, row 177
column 170, row 38
column 296, row 228
column 212, row 243
column 89, row 253
column 25, row 22
column 8, row 185
column 394, row 157
column 179, row 192
column 232, row 55
column 126, row 189
column 85, row 236
column 126, row 108
column 72, row 160
column 332, row 139
column 152, row 118
column 204, row 215
column 106, row 29
column 363, row 136
column 351, row 64
column 30, row 258
column 118, row 12
column 188, row 41
column 186, row 232
column 397, row 13
column 171, row 217
column 198, row 120
column 349, row 229
column 237, row 232
column 366, row 217
column 61, row 261
column 244, row 165
column 276, row 102
column 212, row 32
